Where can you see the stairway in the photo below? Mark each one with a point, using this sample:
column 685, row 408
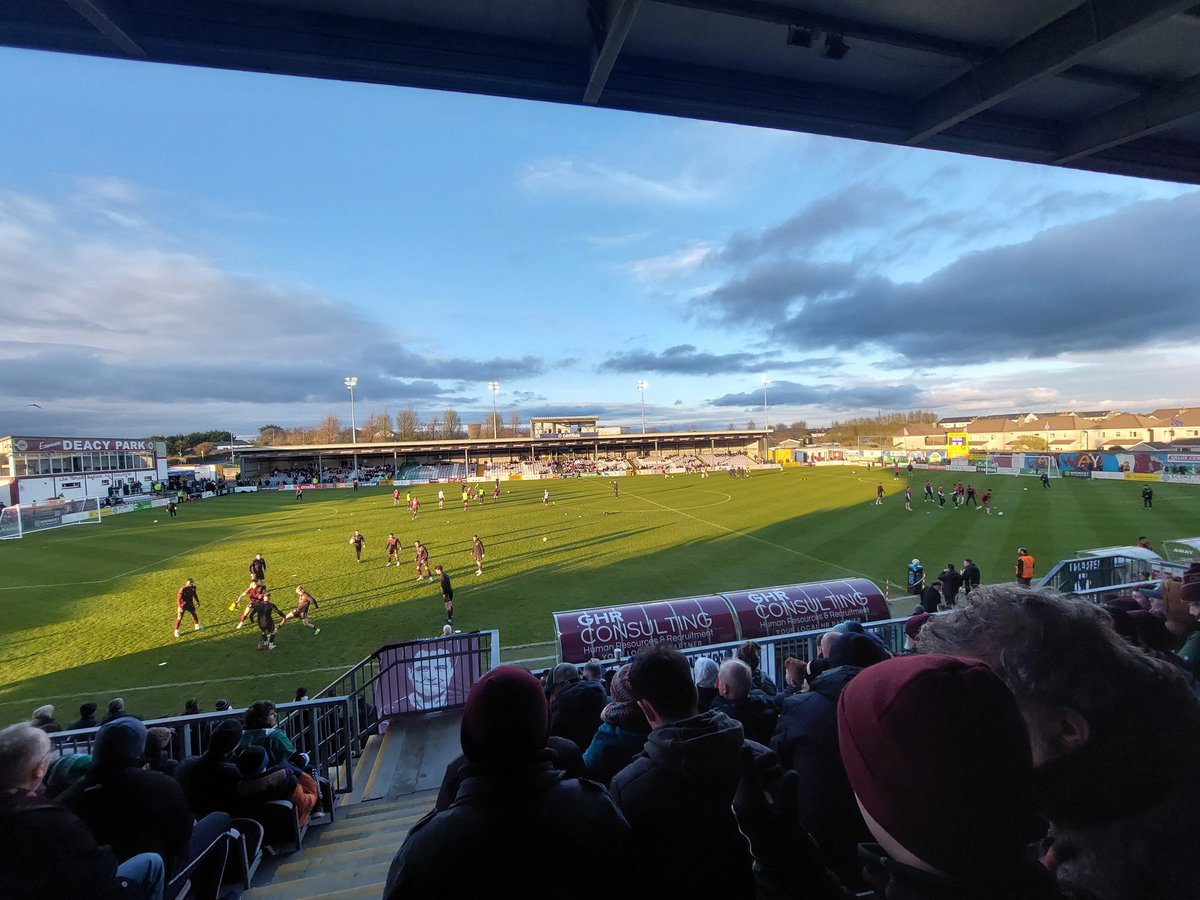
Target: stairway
column 349, row 858
column 395, row 783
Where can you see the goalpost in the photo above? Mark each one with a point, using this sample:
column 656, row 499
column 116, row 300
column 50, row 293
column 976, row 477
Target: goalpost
column 17, row 521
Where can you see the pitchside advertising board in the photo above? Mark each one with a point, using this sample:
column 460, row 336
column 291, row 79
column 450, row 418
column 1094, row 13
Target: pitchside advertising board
column 609, row 631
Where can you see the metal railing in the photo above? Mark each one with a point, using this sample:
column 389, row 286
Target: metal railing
column 332, row 727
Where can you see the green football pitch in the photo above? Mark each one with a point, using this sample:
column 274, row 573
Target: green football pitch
column 87, row 611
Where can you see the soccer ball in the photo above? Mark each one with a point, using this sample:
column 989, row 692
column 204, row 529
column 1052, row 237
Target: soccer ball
column 999, row 513
column 543, row 540
column 156, row 521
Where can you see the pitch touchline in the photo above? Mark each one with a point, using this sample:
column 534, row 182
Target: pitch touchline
column 755, row 538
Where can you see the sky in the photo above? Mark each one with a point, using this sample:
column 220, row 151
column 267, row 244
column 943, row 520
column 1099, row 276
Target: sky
column 184, row 249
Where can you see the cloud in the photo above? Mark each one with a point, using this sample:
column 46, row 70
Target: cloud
column 685, row 359
column 1114, row 282
column 107, row 317
column 595, row 181
column 788, row 393
column 682, row 262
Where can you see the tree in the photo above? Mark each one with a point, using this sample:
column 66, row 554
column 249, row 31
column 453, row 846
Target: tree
column 750, row 426
column 493, row 425
column 329, row 431
column 451, row 425
column 204, row 449
column 408, row 425
column 269, row 434
column 377, row 427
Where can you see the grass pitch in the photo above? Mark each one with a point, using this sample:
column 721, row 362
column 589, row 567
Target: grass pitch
column 87, row 611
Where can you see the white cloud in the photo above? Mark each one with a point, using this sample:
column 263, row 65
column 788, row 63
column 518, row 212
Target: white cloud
column 685, row 261
column 617, row 186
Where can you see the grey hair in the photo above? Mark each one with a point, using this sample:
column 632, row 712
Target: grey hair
column 22, row 747
column 737, row 676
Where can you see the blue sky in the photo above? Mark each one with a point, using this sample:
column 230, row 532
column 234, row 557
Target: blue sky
column 183, row 249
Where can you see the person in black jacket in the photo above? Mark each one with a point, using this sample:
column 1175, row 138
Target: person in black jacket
column 739, row 700
column 952, row 582
column 87, row 717
column 751, row 656
column 576, row 706
column 49, row 854
column 806, row 741
column 258, row 569
column 677, row 793
column 210, row 781
column 516, row 820
column 970, row 574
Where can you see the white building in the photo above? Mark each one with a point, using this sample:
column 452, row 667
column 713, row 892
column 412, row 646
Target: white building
column 35, row 469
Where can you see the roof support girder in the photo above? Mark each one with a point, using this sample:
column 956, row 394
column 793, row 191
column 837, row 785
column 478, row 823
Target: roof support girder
column 1087, row 28
column 1140, row 117
column 619, row 15
column 106, row 22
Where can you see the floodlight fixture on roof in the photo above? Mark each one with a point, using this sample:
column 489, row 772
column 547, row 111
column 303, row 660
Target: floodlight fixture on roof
column 835, row 47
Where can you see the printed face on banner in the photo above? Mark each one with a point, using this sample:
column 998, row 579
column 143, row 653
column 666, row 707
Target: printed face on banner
column 429, row 678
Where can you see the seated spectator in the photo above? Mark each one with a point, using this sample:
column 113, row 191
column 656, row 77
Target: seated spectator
column 43, row 718
column 795, row 678
column 750, row 655
column 210, row 781
column 158, row 751
column 622, row 733
column 260, row 731
column 517, row 821
column 87, row 717
column 1189, row 654
column 134, row 810
column 221, row 705
column 806, row 741
column 191, row 707
column 820, row 663
column 704, row 673
column 49, row 854
column 1113, row 732
column 739, row 700
column 575, row 705
column 116, row 709
column 677, row 794
column 65, row 771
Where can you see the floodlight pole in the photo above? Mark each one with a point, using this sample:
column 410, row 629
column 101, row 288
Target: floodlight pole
column 350, row 382
column 641, row 386
column 765, row 382
column 495, row 387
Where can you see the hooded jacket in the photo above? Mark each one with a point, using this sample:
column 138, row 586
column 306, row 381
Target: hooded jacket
column 677, row 797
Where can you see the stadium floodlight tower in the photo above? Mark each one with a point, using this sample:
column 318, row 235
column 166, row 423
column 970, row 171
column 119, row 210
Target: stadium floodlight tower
column 766, row 381
column 494, row 386
column 350, row 382
column 641, row 386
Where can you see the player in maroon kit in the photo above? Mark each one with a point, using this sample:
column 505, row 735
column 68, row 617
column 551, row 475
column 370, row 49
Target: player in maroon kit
column 357, row 541
column 252, row 595
column 303, row 600
column 422, row 561
column 393, row 550
column 186, row 601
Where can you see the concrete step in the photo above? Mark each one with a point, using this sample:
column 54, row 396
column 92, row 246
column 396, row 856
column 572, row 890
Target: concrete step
column 366, row 877
column 352, row 831
column 336, row 859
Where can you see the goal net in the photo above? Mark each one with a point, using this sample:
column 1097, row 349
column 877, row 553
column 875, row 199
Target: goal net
column 17, row 521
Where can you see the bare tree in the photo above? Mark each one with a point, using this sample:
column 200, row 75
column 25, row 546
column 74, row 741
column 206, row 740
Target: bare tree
column 451, row 425
column 377, row 427
column 408, row 424
column 514, row 425
column 329, row 431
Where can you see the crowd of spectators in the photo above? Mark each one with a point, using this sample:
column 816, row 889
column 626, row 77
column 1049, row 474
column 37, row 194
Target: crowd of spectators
column 325, row 475
column 136, row 818
column 1021, row 749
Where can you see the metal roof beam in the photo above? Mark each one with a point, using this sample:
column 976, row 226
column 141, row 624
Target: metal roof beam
column 1051, row 50
column 1140, row 117
column 604, row 54
column 105, row 22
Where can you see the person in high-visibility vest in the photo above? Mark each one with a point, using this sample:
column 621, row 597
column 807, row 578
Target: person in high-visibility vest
column 1024, row 567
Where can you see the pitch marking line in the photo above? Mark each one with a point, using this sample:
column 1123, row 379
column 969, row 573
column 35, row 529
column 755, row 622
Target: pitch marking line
column 752, row 537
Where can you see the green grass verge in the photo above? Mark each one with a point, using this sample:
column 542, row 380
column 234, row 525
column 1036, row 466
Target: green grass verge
column 87, row 611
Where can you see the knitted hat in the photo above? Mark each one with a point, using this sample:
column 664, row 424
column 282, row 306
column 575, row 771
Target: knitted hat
column 968, row 817
column 252, row 761
column 43, row 713
column 121, row 742
column 856, row 650
column 506, row 720
column 704, row 673
column 65, row 771
column 87, row 710
column 623, row 710
column 224, row 738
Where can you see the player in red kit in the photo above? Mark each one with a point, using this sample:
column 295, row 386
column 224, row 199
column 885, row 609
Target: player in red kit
column 186, row 601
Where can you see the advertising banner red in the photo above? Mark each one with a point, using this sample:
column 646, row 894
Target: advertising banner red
column 419, row 676
column 611, row 631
